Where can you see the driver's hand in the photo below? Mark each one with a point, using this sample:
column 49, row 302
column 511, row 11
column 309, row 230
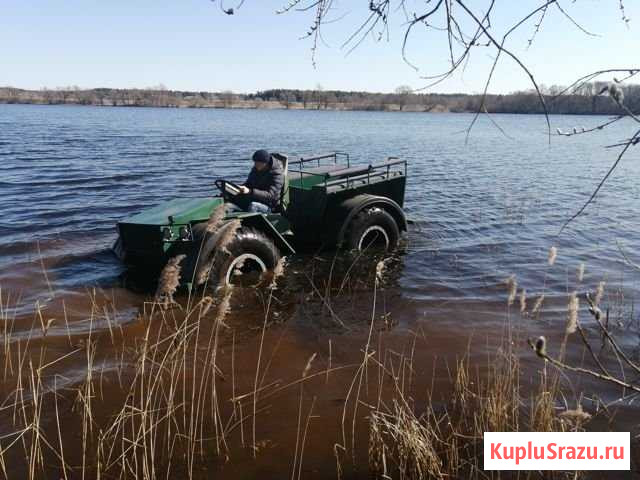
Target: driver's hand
column 244, row 190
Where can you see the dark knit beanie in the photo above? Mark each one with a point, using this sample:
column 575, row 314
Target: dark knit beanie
column 262, row 156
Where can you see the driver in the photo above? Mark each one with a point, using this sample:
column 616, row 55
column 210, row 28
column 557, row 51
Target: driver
column 261, row 192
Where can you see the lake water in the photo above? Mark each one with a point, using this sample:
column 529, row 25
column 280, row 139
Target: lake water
column 483, row 210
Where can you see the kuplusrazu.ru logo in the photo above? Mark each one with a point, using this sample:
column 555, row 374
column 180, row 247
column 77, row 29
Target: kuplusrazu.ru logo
column 556, row 451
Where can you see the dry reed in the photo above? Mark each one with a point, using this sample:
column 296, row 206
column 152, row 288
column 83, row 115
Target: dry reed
column 512, row 288
column 446, row 441
column 225, row 232
column 278, row 271
column 599, row 293
column 572, row 314
column 577, row 416
column 169, row 420
column 168, row 282
column 580, row 272
column 216, row 217
column 537, row 305
column 228, row 234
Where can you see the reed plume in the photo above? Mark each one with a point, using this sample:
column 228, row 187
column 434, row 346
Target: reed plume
column 380, row 268
column 226, row 236
column 581, row 272
column 216, row 217
column 205, row 306
column 523, row 300
column 229, row 233
column 512, row 287
column 572, row 317
column 599, row 293
column 537, row 305
column 553, row 253
column 577, row 416
column 593, row 308
column 225, row 306
column 305, row 372
column 278, row 271
column 168, row 282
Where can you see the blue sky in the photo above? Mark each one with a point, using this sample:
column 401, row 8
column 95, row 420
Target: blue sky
column 192, row 45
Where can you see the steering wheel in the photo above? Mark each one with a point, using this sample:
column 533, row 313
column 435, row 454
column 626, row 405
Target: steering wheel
column 222, row 185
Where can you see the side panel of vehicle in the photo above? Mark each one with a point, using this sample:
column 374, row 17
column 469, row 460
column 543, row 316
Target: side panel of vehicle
column 392, row 188
column 306, row 212
column 140, row 244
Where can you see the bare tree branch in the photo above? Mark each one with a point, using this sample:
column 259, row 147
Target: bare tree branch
column 461, row 39
column 627, row 145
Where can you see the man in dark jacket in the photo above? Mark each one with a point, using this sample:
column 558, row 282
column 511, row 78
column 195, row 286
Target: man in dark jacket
column 264, row 184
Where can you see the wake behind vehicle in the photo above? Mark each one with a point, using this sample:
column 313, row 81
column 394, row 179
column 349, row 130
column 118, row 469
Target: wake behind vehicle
column 325, row 202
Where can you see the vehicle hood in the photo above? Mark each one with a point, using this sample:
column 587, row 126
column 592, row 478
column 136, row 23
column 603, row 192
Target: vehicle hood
column 183, row 210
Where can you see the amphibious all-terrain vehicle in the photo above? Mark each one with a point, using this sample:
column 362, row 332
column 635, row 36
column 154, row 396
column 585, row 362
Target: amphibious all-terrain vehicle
column 325, row 201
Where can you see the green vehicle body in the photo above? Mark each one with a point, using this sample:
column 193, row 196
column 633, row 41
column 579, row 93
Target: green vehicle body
column 321, row 196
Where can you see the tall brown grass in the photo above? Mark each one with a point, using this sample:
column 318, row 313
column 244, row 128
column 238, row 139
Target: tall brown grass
column 445, row 439
column 157, row 410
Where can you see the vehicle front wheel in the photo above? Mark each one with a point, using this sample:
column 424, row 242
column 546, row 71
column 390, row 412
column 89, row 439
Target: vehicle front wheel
column 243, row 260
column 373, row 228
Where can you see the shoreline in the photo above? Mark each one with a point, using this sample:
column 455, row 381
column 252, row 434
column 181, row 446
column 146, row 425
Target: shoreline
column 513, row 103
column 329, row 109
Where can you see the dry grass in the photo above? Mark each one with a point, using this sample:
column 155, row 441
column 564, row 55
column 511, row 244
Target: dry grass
column 512, row 286
column 223, row 233
column 168, row 418
column 216, row 217
column 168, row 415
column 168, row 282
column 445, row 440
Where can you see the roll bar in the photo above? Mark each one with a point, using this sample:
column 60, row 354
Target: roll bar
column 316, row 158
column 349, row 174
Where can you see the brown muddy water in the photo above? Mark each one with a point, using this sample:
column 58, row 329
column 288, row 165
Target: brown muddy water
column 483, row 211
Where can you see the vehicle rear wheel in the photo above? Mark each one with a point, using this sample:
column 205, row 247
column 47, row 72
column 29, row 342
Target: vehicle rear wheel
column 242, row 261
column 373, row 228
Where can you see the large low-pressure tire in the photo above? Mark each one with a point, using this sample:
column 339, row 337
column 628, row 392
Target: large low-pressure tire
column 245, row 257
column 372, row 228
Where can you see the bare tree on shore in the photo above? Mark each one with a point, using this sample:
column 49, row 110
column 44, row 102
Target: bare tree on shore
column 227, row 97
column 318, row 96
column 402, row 95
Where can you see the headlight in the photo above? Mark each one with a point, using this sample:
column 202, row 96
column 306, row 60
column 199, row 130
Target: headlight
column 166, row 233
column 184, row 233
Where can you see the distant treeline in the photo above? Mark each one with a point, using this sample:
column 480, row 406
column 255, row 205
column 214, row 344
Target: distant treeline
column 585, row 101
